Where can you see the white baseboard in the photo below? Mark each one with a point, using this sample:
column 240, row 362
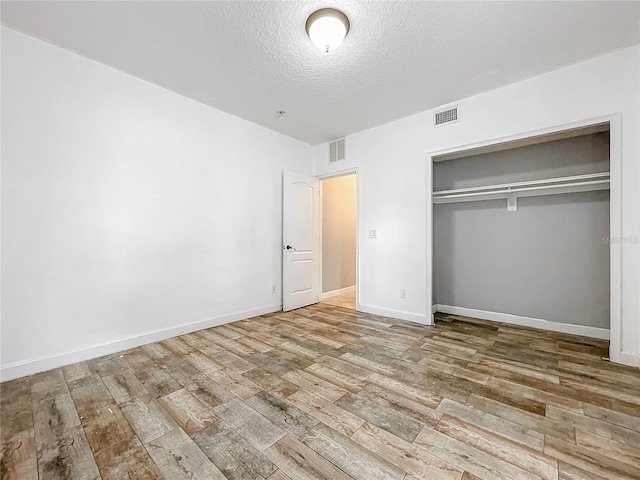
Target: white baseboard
column 630, row 359
column 389, row 312
column 335, row 293
column 593, row 332
column 48, row 362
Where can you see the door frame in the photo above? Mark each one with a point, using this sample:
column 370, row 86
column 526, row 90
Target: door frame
column 615, row 215
column 325, row 176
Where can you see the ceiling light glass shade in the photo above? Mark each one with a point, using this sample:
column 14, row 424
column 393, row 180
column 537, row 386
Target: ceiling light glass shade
column 327, row 28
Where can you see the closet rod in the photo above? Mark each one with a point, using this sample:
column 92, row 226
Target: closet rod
column 513, row 191
column 571, row 179
column 550, row 186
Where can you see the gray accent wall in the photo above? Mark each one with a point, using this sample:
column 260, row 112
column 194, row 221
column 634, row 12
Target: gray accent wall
column 560, row 158
column 549, row 259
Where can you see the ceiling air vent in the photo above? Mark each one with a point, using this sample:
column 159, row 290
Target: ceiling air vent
column 445, row 116
column 337, row 150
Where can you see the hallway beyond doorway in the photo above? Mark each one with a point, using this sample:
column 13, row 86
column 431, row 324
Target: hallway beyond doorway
column 346, row 300
column 338, row 246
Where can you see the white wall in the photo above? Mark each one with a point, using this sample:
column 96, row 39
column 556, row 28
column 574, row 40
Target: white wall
column 127, row 210
column 338, row 233
column 392, row 169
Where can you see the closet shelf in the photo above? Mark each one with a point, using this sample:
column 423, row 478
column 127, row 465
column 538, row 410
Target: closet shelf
column 534, row 188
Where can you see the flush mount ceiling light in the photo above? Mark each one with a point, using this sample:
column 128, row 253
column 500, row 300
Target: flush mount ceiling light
column 327, row 28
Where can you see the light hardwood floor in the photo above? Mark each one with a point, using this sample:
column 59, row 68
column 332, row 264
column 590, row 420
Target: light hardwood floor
column 328, row 393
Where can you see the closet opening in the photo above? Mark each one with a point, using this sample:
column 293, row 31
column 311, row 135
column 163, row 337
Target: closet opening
column 522, row 231
column 338, row 240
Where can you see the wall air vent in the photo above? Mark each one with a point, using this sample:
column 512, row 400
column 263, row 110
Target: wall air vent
column 337, row 150
column 445, row 116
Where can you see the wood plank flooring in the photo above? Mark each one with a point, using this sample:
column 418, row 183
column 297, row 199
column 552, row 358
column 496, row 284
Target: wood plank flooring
column 330, row 393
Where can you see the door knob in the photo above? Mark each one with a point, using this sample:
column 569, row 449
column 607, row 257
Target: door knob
column 289, row 247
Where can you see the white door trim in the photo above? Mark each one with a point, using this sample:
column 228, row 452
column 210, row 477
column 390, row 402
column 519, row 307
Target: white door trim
column 342, row 173
column 615, row 157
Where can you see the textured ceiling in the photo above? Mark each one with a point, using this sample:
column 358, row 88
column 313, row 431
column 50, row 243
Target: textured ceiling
column 251, row 59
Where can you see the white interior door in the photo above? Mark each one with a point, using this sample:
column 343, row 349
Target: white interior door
column 300, row 237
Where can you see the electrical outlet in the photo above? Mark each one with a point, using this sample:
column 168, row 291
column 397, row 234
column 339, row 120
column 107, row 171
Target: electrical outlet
column 403, row 293
column 373, row 233
column 273, row 288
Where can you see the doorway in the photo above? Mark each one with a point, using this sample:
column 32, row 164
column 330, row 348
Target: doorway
column 338, row 257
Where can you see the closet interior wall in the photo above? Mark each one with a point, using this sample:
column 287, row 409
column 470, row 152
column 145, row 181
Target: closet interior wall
column 548, row 260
